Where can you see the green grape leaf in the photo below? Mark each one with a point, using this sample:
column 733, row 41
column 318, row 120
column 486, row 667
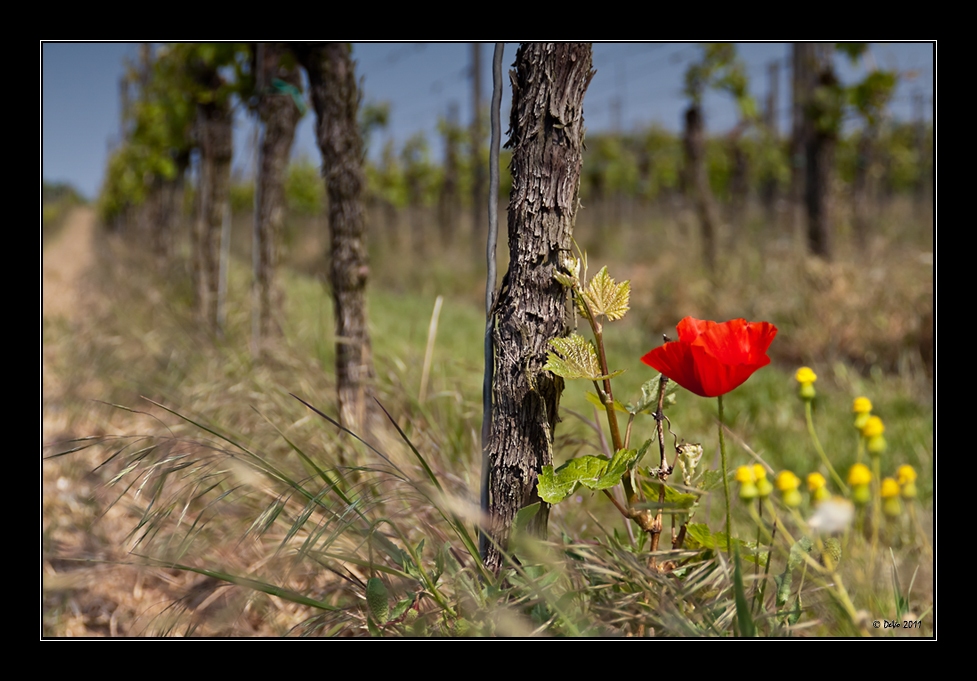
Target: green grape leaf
column 524, row 516
column 712, row 480
column 679, row 499
column 649, row 396
column 575, row 357
column 593, row 472
column 699, row 536
column 606, row 297
column 596, row 401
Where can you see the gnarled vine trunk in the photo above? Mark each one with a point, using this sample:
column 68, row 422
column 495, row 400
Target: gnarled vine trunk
column 280, row 115
column 332, row 83
column 546, row 137
column 215, row 132
column 698, row 183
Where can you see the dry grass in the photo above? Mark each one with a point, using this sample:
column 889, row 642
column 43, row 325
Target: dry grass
column 117, row 333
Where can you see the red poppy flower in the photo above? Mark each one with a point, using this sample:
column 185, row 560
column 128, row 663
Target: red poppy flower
column 710, row 358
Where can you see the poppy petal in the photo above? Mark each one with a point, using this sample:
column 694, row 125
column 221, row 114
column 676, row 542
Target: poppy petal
column 710, row 358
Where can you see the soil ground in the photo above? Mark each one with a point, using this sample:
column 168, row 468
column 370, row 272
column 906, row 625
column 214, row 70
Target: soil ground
column 87, row 588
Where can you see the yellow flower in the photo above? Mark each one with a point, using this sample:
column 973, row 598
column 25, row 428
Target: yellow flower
column 818, row 487
column 745, row 474
column 905, row 474
column 747, row 479
column 873, row 427
column 805, row 375
column 806, row 378
column 763, row 486
column 863, row 411
column 891, row 505
column 815, row 481
column 859, row 474
column 872, row 432
column 890, row 488
column 787, row 481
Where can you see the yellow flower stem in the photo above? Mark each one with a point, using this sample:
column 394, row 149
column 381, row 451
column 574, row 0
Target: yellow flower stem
column 817, row 445
column 876, row 510
column 766, row 568
column 722, row 454
column 829, row 569
column 768, row 535
column 757, row 515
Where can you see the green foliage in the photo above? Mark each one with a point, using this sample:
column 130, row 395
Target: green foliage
column 386, row 182
column 241, row 196
column 57, row 198
column 871, row 96
column 421, row 176
column 605, row 298
column 593, row 472
column 378, row 600
column 720, row 68
column 373, row 116
column 304, row 188
column 160, row 121
column 853, row 51
column 660, row 161
column 575, row 357
column 611, row 167
column 744, row 618
column 60, row 192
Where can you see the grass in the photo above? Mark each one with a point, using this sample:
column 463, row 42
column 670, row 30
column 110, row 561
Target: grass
column 248, row 513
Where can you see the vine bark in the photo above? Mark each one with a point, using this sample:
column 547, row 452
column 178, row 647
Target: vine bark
column 335, row 96
column 546, row 137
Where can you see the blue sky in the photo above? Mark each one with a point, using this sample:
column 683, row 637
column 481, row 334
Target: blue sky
column 636, row 84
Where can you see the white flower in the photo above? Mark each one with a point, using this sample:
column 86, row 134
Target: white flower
column 832, row 515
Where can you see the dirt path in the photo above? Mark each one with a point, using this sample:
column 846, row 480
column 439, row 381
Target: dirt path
column 65, row 261
column 85, row 594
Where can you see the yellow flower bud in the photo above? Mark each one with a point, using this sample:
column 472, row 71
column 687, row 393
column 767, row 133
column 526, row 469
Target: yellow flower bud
column 862, row 405
column 745, row 474
column 805, row 375
column 787, row 481
column 859, row 474
column 873, row 427
column 876, row 445
column 905, row 474
column 892, row 506
column 792, row 498
column 820, row 494
column 815, row 481
column 748, row 491
column 890, row 488
column 763, row 486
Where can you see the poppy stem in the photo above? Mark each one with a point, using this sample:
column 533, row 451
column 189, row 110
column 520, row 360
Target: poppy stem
column 722, row 454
